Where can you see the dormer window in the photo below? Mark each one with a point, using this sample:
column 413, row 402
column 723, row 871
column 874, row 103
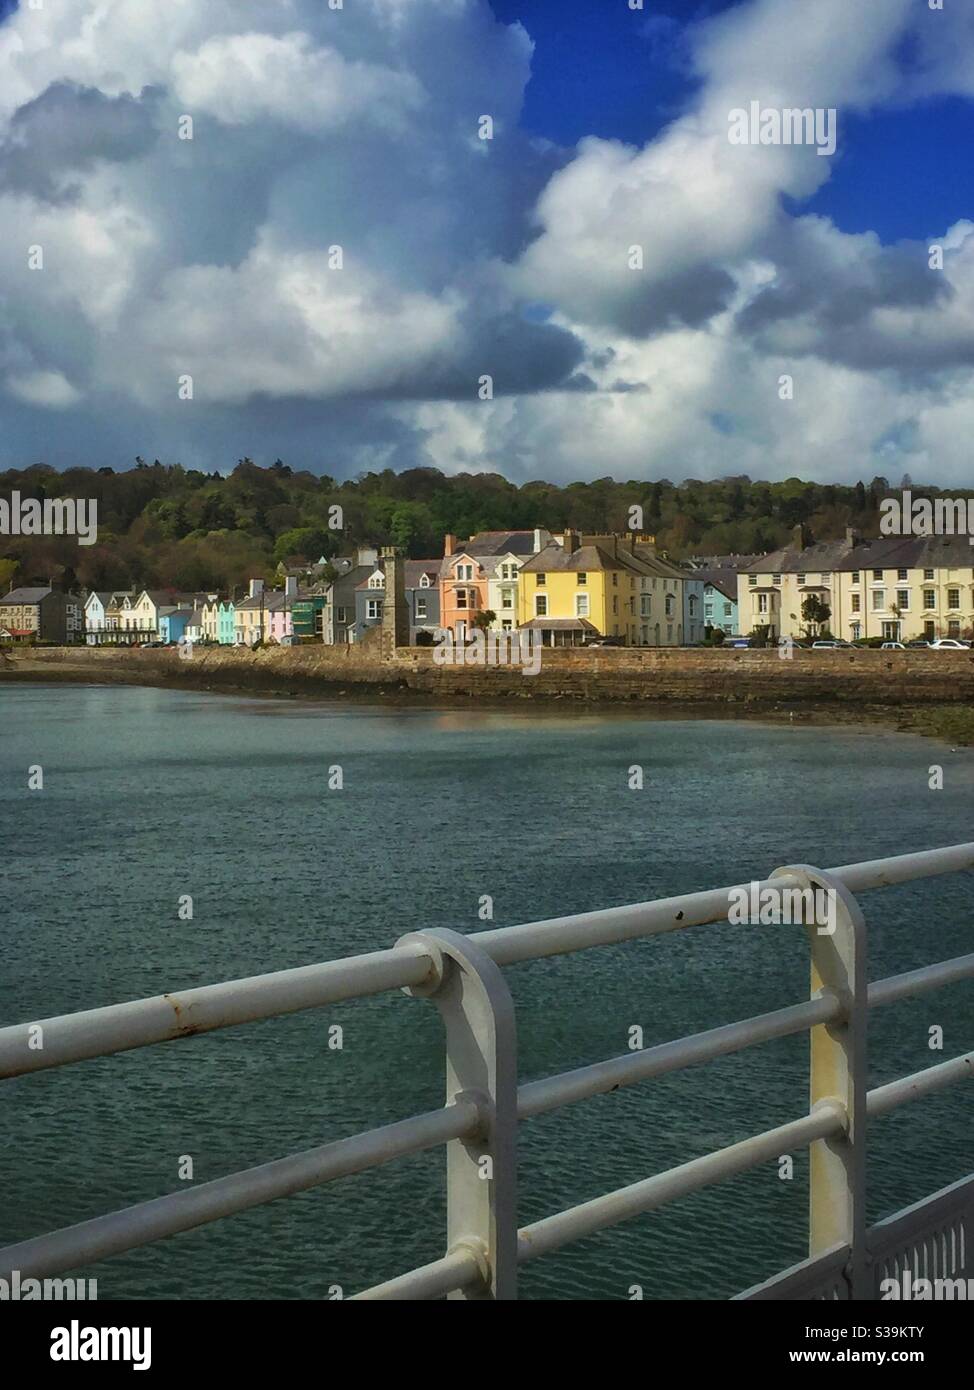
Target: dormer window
column 377, row 582
column 424, row 583
column 465, row 572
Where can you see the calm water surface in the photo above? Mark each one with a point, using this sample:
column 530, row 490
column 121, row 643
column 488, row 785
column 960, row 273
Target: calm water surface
column 151, row 794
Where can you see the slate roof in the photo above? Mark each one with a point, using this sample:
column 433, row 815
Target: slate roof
column 724, row 580
column 586, row 558
column 499, row 543
column 883, row 552
column 26, row 595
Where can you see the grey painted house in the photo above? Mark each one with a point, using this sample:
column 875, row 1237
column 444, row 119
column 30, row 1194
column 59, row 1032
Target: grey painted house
column 338, row 625
column 422, row 598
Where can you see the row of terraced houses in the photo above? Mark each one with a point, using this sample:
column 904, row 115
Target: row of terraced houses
column 568, row 588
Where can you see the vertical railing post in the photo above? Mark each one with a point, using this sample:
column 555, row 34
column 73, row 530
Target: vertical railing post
column 837, row 1166
column 472, row 996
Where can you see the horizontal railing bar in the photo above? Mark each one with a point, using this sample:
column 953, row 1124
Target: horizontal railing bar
column 539, row 1097
column 457, row 1270
column 166, row 1017
column 119, row 1027
column 552, row 1232
column 94, row 1240
column 896, row 987
column 921, row 1083
column 609, row 926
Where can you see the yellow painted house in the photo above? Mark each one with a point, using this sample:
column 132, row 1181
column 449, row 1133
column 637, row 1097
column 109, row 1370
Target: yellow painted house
column 598, row 586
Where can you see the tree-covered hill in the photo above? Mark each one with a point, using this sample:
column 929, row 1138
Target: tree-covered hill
column 164, row 525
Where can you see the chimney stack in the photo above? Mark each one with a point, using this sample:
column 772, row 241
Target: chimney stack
column 449, row 545
column 291, row 586
column 570, row 541
column 256, row 588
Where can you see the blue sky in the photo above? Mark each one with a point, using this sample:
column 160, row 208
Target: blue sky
column 602, row 69
column 635, row 288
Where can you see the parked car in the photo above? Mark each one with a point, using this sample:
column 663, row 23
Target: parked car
column 829, row 644
column 952, row 644
column 736, row 643
column 892, row 647
column 918, row 642
column 604, row 642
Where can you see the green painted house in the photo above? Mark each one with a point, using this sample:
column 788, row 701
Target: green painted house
column 308, row 617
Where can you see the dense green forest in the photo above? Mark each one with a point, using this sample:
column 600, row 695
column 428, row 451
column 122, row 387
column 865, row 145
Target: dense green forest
column 165, row 525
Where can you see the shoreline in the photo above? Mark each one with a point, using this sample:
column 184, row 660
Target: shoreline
column 951, row 722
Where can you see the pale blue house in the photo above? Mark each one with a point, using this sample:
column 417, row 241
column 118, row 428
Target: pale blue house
column 224, row 623
column 172, row 623
column 719, row 599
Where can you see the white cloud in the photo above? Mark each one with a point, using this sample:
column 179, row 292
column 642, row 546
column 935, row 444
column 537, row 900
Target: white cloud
column 48, row 390
column 315, row 127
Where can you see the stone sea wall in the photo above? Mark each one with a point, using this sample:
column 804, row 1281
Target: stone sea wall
column 661, row 675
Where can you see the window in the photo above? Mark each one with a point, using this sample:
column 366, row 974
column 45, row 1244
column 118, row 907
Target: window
column 879, row 600
column 424, row 583
column 855, row 576
column 373, row 608
column 762, row 603
column 615, row 578
column 509, row 571
column 462, row 598
column 953, row 598
column 752, row 579
column 929, row 598
column 693, row 605
column 855, row 603
column 581, row 605
column 877, row 574
column 507, row 598
column 928, row 574
column 903, row 600
column 582, row 577
column 539, row 579
column 465, row 571
column 902, row 574
column 421, row 611
column 339, row 615
column 856, row 631
column 801, row 579
column 645, row 606
column 377, row 582
column 541, row 605
column 727, row 610
column 777, row 579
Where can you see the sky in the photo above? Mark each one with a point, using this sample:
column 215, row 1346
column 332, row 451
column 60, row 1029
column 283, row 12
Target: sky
column 338, row 270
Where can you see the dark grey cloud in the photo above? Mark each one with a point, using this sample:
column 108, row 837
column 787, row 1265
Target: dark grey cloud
column 66, row 131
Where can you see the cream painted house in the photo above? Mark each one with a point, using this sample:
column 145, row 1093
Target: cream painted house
column 893, row 588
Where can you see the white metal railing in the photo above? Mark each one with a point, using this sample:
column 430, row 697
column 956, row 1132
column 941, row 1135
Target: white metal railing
column 478, row 1124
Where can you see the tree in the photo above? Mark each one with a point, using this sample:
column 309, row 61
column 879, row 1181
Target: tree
column 484, row 618
column 8, row 568
column 815, row 612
